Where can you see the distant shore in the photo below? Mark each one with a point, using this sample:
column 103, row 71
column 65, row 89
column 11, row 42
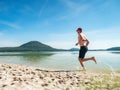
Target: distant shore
column 17, row 77
column 36, row 46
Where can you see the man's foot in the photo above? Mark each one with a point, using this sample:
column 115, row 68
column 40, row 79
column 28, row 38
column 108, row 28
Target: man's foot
column 84, row 69
column 94, row 59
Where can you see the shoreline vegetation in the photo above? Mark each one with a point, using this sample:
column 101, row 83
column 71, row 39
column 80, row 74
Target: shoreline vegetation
column 17, row 77
column 38, row 46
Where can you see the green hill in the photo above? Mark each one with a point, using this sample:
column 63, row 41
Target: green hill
column 35, row 45
column 30, row 46
column 38, row 46
column 114, row 48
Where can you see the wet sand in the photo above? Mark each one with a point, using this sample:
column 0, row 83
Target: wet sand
column 18, row 77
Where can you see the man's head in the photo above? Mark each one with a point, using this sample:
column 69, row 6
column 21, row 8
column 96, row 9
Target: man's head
column 79, row 30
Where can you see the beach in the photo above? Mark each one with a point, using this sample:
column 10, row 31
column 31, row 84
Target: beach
column 19, row 77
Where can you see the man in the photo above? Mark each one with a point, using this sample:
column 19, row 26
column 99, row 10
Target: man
column 83, row 42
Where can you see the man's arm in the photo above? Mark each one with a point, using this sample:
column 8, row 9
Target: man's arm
column 77, row 42
column 87, row 42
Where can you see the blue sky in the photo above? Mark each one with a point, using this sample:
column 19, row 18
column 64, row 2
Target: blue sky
column 54, row 22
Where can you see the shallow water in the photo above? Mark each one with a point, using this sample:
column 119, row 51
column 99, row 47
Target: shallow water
column 64, row 60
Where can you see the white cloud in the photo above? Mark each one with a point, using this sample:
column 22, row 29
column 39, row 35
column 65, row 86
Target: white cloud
column 62, row 36
column 31, row 10
column 104, row 44
column 69, row 3
column 62, row 40
column 99, row 39
column 6, row 43
column 27, row 10
column 104, row 33
column 10, row 24
column 58, row 35
column 61, row 44
column 43, row 7
column 105, row 30
column 104, row 38
column 74, row 8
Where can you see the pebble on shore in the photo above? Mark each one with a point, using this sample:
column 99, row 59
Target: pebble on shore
column 17, row 77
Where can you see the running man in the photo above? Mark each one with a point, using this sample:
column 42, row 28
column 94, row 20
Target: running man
column 83, row 42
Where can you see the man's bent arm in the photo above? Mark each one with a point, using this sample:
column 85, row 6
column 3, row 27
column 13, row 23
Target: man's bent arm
column 87, row 43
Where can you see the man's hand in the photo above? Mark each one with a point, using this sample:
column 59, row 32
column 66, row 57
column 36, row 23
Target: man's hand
column 76, row 44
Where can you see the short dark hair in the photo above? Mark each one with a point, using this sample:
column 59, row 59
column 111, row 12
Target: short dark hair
column 79, row 29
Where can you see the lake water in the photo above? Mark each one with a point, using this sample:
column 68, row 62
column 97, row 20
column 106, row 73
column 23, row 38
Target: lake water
column 64, row 60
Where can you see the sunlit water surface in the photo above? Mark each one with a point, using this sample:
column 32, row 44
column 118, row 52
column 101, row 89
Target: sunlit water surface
column 64, row 60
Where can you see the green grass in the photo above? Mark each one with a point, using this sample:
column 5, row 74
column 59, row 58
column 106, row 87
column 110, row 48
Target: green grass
column 105, row 82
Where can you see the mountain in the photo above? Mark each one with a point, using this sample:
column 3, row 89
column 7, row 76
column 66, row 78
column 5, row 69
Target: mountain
column 114, row 48
column 35, row 45
column 38, row 46
column 30, row 46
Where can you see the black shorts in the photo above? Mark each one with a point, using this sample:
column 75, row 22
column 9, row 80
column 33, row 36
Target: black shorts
column 82, row 51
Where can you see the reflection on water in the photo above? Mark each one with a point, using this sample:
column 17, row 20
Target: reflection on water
column 63, row 60
column 35, row 57
column 115, row 52
column 25, row 58
column 29, row 56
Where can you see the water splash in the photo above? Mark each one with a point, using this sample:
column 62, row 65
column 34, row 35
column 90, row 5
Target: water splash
column 113, row 73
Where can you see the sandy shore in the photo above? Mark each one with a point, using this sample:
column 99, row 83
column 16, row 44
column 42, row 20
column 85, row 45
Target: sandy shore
column 18, row 77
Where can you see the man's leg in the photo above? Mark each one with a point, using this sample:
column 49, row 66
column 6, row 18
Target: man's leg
column 81, row 62
column 86, row 59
